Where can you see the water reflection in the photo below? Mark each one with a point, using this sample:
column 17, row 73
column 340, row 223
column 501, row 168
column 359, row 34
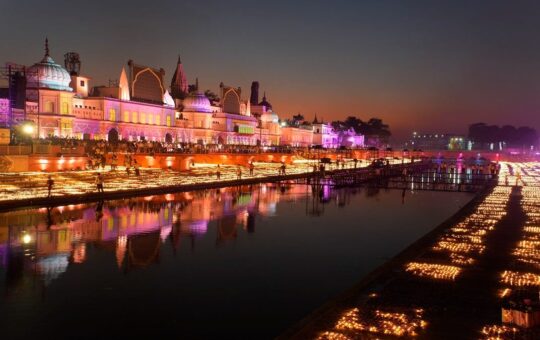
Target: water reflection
column 46, row 240
column 262, row 245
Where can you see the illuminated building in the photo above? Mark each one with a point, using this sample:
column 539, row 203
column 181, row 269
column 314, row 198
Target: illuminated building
column 140, row 106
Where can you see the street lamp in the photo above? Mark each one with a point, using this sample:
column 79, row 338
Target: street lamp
column 28, row 129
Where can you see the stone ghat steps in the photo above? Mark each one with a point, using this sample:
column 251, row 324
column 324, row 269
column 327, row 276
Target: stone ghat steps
column 117, row 185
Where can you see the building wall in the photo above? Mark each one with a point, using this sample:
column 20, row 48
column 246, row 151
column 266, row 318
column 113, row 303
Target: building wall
column 293, row 136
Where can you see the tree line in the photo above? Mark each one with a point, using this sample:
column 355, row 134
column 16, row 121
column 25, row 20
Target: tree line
column 374, row 127
column 522, row 137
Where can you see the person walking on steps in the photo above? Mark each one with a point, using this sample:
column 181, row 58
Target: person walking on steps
column 99, row 182
column 50, row 183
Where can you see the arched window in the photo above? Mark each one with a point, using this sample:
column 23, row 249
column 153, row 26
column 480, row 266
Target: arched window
column 150, row 118
column 126, row 116
column 143, row 118
column 134, row 117
column 168, row 120
column 158, row 119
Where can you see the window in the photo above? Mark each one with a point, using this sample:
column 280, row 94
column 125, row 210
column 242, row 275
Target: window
column 82, row 82
column 150, row 118
column 143, row 118
column 65, row 108
column 158, row 119
column 49, row 107
column 134, row 117
column 126, row 116
column 112, row 115
column 168, row 120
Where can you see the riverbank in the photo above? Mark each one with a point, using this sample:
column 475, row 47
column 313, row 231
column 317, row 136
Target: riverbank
column 79, row 187
column 325, row 316
column 455, row 275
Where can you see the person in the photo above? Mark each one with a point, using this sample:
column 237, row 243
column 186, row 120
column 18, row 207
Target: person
column 518, row 177
column 251, row 167
column 99, row 182
column 505, row 179
column 114, row 161
column 238, row 173
column 321, row 169
column 50, row 184
column 403, row 196
column 136, row 166
column 355, row 162
column 283, row 167
column 218, row 172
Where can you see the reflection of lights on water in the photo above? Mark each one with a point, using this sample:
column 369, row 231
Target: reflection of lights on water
column 198, row 227
column 165, row 232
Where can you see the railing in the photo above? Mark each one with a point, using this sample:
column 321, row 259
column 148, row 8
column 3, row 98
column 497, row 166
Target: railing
column 40, row 149
column 15, row 150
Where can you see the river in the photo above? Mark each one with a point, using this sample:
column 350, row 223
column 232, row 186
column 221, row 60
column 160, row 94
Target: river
column 239, row 262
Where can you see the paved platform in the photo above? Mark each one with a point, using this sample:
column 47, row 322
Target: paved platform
column 450, row 284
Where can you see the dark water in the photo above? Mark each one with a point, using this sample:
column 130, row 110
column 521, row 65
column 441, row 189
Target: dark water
column 243, row 262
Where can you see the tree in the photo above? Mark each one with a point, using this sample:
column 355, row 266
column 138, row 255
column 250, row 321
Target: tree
column 483, row 135
column 211, row 96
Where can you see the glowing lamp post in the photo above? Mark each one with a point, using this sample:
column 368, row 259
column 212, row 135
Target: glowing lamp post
column 28, row 130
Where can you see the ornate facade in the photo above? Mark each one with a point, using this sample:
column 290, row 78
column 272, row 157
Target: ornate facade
column 141, row 107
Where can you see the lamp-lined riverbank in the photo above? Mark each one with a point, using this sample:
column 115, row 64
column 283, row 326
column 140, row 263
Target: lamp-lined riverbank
column 458, row 274
column 30, row 189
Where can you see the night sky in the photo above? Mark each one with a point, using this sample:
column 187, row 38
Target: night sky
column 430, row 66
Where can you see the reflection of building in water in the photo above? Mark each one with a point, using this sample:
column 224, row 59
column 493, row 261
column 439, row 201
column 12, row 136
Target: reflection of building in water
column 143, row 249
column 45, row 242
column 226, row 228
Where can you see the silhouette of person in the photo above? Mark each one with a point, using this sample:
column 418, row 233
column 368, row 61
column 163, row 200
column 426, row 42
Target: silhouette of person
column 50, row 183
column 99, row 211
column 50, row 221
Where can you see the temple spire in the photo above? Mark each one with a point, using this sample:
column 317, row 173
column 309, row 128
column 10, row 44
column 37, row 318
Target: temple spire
column 179, row 85
column 315, row 121
column 46, row 46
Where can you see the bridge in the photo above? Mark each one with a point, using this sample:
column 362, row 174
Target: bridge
column 418, row 177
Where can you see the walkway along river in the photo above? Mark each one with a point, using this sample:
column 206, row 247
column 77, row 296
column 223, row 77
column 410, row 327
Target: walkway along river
column 238, row 262
column 454, row 282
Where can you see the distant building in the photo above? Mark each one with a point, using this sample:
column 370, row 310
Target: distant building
column 324, row 134
column 437, row 141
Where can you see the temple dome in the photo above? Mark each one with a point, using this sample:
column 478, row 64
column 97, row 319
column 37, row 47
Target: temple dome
column 270, row 117
column 196, row 102
column 48, row 74
column 167, row 99
column 265, row 103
